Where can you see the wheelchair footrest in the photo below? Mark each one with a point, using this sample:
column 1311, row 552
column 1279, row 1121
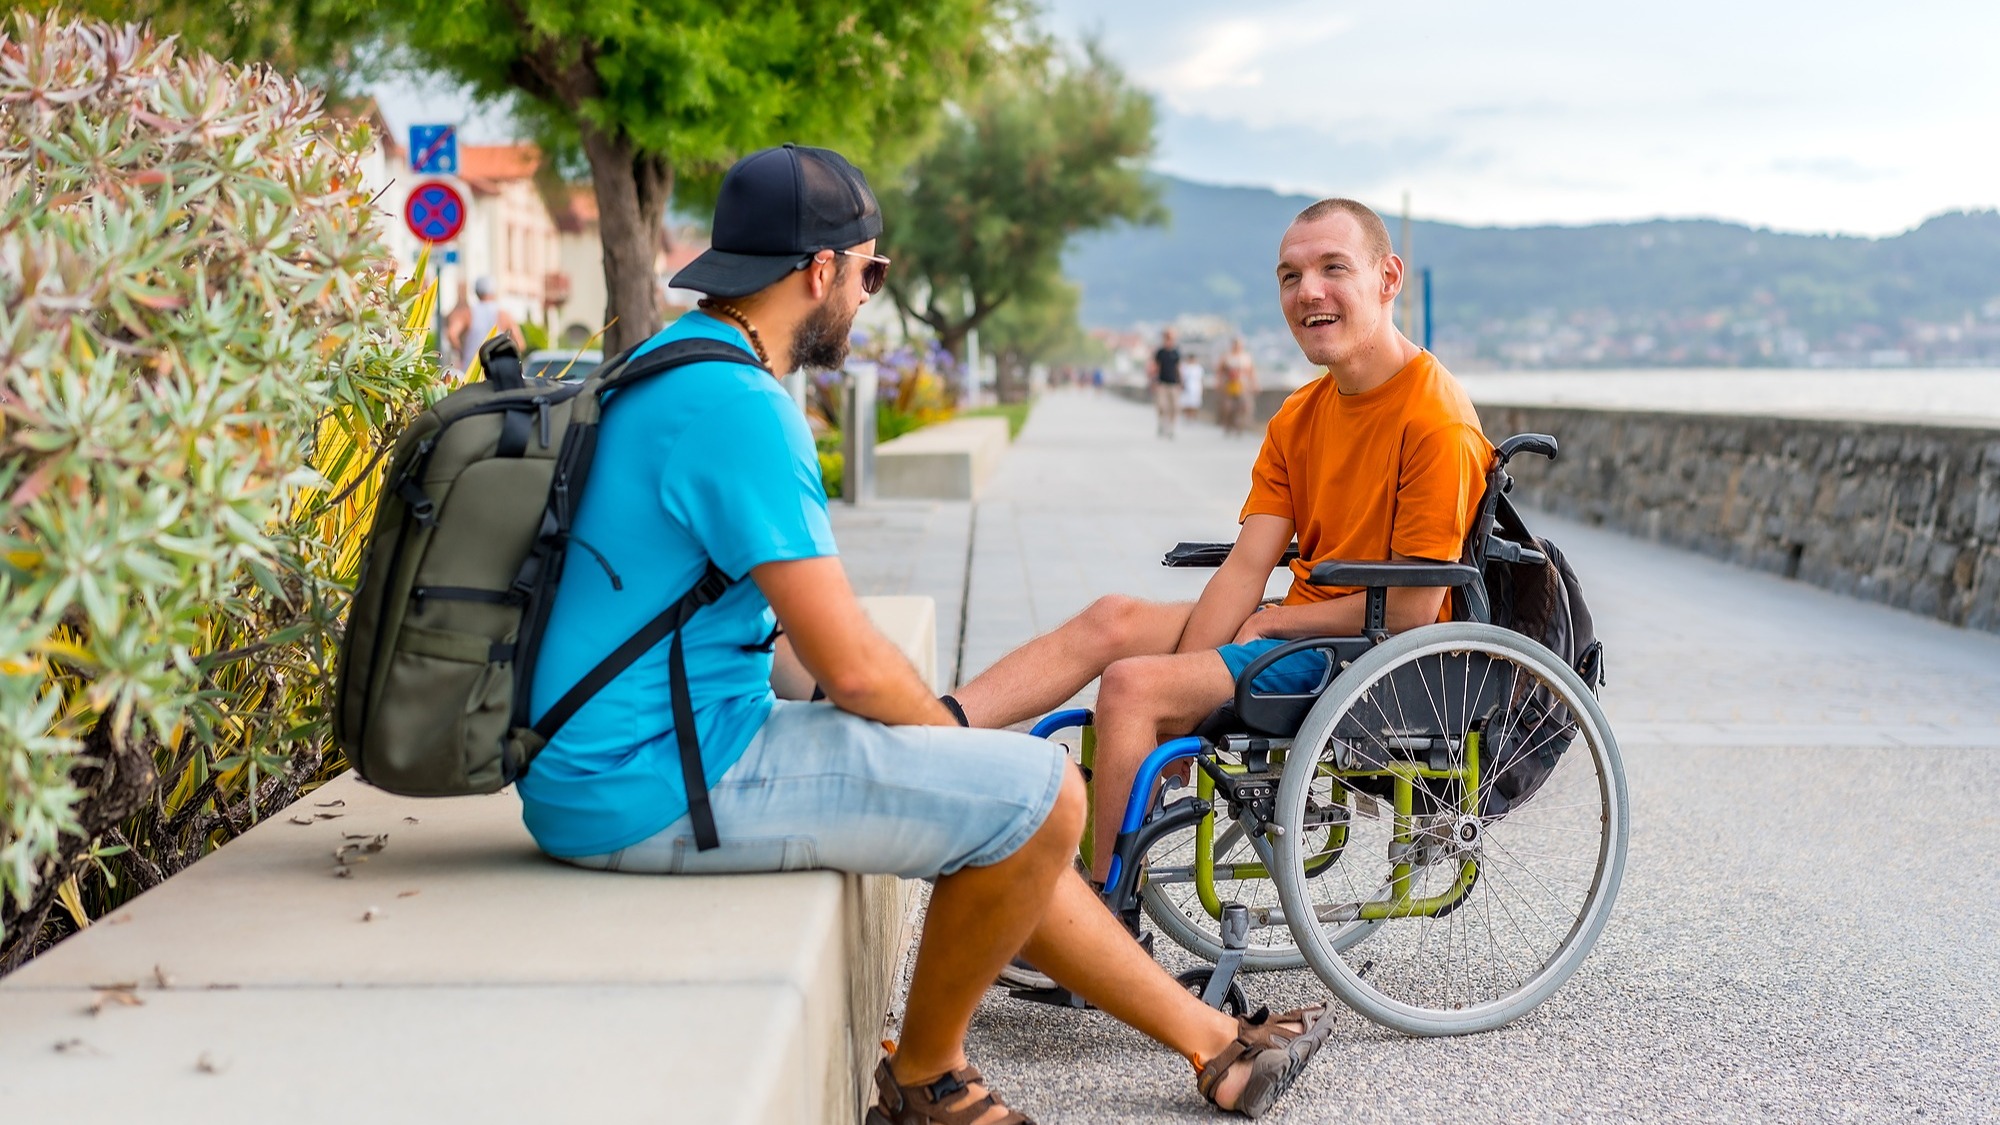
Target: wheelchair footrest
column 1059, row 996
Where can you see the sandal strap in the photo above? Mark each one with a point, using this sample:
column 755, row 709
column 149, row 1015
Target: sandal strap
column 1255, row 1033
column 924, row 1103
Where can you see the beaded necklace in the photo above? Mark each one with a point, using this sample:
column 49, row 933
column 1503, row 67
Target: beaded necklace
column 711, row 305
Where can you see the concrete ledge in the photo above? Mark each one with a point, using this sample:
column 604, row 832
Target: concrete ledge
column 949, row 461
column 458, row 974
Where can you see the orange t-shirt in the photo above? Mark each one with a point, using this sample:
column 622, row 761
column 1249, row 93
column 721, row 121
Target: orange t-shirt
column 1396, row 471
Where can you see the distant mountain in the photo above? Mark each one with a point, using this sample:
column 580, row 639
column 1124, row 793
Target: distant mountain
column 1664, row 290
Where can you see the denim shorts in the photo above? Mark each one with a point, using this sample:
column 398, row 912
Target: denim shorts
column 1301, row 673
column 820, row 788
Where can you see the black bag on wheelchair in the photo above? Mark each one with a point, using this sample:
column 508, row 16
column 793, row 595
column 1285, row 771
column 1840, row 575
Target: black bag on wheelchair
column 1542, row 600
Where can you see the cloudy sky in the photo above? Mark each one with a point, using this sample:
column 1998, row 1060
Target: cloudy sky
column 1835, row 115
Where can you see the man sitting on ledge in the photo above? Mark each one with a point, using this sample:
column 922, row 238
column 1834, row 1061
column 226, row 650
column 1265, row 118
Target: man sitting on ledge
column 1381, row 458
column 713, row 462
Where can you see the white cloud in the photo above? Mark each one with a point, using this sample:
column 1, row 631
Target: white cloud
column 1835, row 115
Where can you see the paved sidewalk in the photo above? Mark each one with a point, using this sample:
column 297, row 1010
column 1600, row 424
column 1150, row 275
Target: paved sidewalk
column 1810, row 918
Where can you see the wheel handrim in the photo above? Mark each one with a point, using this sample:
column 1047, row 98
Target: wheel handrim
column 1543, row 876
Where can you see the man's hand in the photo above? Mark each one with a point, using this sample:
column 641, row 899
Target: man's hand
column 859, row 669
column 1252, row 628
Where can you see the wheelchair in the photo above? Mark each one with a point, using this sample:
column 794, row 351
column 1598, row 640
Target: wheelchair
column 1438, row 831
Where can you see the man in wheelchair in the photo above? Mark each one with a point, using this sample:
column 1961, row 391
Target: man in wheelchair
column 1382, row 458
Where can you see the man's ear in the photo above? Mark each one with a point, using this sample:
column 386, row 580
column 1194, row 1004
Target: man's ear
column 819, row 277
column 1392, row 277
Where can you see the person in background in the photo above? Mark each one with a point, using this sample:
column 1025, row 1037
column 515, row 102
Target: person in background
column 1237, row 377
column 1166, row 372
column 455, row 326
column 485, row 318
column 1192, row 375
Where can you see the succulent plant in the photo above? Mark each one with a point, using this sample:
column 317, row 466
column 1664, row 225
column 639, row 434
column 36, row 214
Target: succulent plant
column 202, row 346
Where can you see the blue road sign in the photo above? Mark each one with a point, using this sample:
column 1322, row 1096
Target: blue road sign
column 434, row 149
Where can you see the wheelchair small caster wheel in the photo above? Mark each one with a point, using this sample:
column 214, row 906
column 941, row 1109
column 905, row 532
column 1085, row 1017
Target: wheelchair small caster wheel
column 1233, row 1001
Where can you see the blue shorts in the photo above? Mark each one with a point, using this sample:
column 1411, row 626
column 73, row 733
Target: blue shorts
column 820, row 788
column 1301, row 673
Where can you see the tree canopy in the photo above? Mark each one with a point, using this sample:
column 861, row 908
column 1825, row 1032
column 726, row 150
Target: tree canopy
column 1053, row 143
column 646, row 88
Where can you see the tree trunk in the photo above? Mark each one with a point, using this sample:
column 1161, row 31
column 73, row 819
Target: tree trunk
column 631, row 202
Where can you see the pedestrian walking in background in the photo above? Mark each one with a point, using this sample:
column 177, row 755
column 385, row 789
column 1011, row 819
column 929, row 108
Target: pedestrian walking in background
column 1192, row 374
column 487, row 317
column 1237, row 379
column 1166, row 372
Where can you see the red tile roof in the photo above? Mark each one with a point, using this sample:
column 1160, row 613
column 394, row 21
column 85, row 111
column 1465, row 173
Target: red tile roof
column 486, row 167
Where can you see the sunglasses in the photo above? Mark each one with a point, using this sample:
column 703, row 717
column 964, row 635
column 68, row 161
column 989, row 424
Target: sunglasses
column 874, row 274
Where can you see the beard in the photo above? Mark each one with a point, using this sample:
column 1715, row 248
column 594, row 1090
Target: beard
column 820, row 342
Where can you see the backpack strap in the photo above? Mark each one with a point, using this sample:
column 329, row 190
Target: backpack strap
column 624, row 370
column 712, row 585
column 630, row 369
column 501, row 362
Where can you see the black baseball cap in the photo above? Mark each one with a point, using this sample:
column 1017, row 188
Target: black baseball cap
column 778, row 207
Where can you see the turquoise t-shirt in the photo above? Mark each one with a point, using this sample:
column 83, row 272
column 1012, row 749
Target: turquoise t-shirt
column 708, row 461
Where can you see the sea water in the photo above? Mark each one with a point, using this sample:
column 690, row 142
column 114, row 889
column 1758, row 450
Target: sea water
column 1956, row 395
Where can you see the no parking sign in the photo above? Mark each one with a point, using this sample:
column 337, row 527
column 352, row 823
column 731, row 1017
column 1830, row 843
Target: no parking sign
column 435, row 212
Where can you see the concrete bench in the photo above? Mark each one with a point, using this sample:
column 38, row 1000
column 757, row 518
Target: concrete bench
column 949, row 461
column 458, row 975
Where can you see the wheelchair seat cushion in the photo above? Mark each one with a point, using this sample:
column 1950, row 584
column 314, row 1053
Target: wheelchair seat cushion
column 1298, row 674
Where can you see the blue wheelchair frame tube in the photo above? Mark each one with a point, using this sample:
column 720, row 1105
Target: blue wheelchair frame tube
column 1136, row 804
column 1062, row 720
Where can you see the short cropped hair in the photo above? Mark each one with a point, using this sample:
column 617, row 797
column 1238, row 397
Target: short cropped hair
column 1373, row 231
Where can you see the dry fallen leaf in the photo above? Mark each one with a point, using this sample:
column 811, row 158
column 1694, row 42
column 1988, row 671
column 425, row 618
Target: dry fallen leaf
column 301, row 820
column 343, row 872
column 70, row 1046
column 370, row 914
column 125, row 996
column 162, row 978
column 118, row 919
column 407, row 894
column 211, row 1063
column 328, row 815
column 411, row 820
column 333, row 804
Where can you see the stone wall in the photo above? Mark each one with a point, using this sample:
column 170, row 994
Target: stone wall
column 1900, row 513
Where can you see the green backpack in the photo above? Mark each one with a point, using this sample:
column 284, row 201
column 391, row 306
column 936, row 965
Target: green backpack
column 460, row 572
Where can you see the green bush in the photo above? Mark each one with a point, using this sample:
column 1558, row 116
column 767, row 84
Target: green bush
column 200, row 346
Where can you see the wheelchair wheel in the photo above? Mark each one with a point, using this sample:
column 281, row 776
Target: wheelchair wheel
column 1486, row 904
column 1173, row 901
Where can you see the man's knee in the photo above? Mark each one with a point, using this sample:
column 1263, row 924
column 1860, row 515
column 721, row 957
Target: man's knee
column 1117, row 626
column 1125, row 683
column 1062, row 829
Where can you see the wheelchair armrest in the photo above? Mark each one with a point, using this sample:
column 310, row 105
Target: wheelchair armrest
column 1281, row 714
column 1211, row 554
column 1336, row 572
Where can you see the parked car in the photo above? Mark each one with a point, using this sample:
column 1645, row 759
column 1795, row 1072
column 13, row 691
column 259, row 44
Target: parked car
column 567, row 364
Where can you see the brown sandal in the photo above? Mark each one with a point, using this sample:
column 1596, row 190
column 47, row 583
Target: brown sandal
column 944, row 1100
column 1276, row 1056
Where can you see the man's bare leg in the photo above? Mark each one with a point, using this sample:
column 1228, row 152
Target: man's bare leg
column 1082, row 947
column 1044, row 673
column 1143, row 701
column 978, row 918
